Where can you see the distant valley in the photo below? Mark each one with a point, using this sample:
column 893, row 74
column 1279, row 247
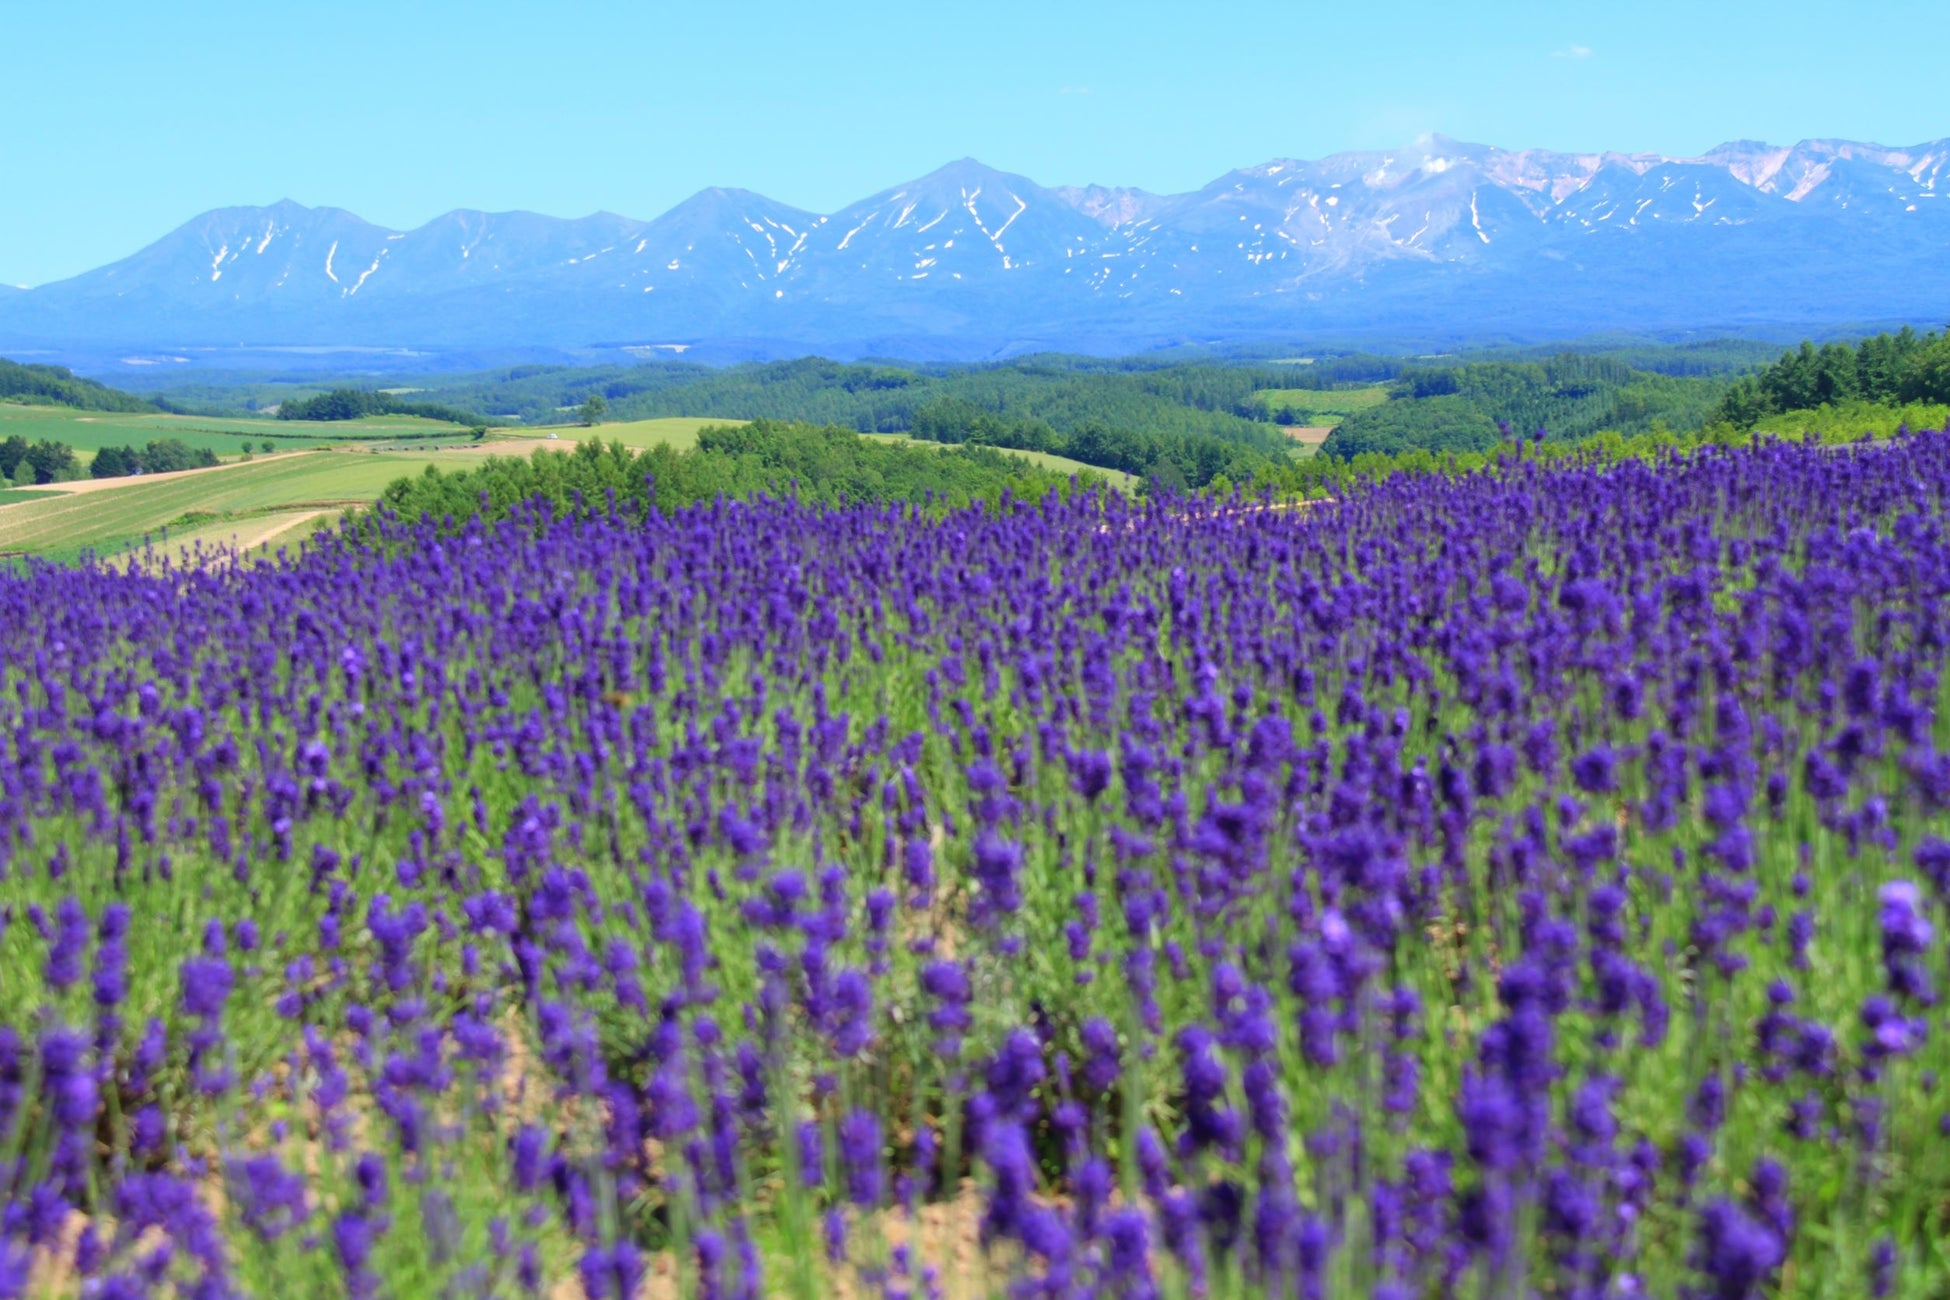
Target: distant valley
column 1439, row 240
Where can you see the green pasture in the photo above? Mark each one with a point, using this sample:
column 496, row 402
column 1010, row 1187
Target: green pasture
column 90, row 431
column 1322, row 401
column 107, row 518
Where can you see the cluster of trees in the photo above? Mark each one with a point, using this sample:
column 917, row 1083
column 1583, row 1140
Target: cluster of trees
column 1573, row 396
column 1886, row 370
column 160, row 456
column 342, row 404
column 59, row 386
column 24, row 463
column 823, row 464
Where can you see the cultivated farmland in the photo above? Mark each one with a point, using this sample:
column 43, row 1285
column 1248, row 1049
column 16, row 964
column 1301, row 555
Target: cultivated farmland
column 105, row 514
column 90, row 431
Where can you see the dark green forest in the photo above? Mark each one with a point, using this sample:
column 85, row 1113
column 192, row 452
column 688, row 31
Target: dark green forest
column 821, row 464
column 59, row 386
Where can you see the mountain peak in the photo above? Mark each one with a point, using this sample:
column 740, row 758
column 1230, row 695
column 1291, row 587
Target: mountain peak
column 968, row 258
column 967, row 173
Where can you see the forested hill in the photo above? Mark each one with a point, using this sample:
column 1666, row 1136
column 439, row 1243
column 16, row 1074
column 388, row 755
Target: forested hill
column 58, row 386
column 1063, row 392
column 1571, row 397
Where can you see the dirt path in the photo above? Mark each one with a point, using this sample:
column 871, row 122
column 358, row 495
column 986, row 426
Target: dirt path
column 1307, row 435
column 253, row 533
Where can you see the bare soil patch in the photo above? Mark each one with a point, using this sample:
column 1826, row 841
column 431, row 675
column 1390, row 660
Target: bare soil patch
column 1307, row 435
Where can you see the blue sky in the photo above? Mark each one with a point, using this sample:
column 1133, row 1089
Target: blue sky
column 119, row 120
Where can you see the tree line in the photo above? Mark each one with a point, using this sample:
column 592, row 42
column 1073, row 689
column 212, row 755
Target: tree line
column 341, row 404
column 819, row 464
column 160, row 456
column 28, row 464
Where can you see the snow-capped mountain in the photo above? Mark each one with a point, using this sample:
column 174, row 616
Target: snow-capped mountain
column 1439, row 237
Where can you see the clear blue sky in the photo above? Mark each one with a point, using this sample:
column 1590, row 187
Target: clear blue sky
column 121, row 119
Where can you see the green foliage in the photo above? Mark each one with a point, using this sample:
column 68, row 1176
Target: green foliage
column 343, row 404
column 24, row 463
column 58, row 386
column 115, row 462
column 1176, row 460
column 1853, row 421
column 1573, row 396
column 167, row 455
column 1439, row 424
column 1927, row 377
column 161, row 456
column 1881, row 371
column 826, row 465
column 594, row 409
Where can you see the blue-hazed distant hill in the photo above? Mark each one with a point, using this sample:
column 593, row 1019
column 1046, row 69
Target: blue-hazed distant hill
column 1441, row 239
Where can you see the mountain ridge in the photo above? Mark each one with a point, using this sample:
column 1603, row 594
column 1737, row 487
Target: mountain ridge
column 971, row 259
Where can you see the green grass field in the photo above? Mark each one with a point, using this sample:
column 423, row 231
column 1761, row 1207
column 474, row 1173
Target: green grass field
column 1322, row 401
column 122, row 512
column 90, row 431
column 14, row 496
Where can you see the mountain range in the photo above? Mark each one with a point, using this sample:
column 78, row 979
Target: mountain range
column 1440, row 239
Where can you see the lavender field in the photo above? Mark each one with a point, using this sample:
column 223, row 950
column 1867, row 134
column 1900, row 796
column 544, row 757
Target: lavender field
column 1523, row 883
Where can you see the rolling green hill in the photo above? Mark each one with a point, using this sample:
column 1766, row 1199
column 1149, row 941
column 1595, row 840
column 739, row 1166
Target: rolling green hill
column 1571, row 397
column 58, row 386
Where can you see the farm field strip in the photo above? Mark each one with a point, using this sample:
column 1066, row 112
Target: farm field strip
column 90, row 431
column 1322, row 401
column 115, row 511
